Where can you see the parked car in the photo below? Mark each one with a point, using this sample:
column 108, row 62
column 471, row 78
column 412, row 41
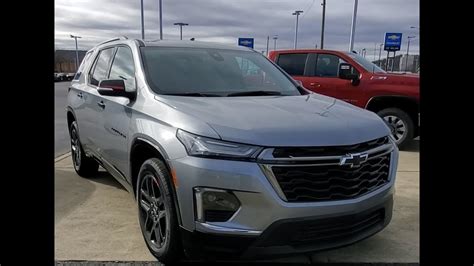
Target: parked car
column 70, row 76
column 395, row 97
column 59, row 76
column 225, row 154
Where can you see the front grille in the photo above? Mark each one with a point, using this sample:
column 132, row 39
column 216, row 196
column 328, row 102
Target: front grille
column 331, row 182
column 295, row 152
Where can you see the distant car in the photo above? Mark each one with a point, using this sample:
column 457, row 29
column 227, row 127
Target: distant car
column 60, row 76
column 70, row 76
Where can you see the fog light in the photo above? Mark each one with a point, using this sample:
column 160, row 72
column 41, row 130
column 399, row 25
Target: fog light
column 214, row 205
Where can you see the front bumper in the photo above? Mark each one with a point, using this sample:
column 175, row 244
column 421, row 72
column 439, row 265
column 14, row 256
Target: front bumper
column 281, row 238
column 263, row 214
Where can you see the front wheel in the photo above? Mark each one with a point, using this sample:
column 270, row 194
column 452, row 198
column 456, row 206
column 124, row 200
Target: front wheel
column 400, row 124
column 157, row 213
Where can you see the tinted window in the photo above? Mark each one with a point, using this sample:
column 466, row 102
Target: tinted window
column 123, row 67
column 99, row 70
column 216, row 71
column 293, row 64
column 81, row 67
column 327, row 65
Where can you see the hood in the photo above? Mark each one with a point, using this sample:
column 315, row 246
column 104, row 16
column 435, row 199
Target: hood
column 307, row 120
column 408, row 79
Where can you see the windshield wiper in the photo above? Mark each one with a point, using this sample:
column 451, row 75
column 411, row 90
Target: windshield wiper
column 198, row 94
column 254, row 93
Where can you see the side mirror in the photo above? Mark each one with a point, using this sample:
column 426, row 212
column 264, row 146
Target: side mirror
column 114, row 87
column 299, row 82
column 347, row 71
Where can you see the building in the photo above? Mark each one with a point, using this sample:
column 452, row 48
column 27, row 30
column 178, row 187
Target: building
column 65, row 60
column 397, row 63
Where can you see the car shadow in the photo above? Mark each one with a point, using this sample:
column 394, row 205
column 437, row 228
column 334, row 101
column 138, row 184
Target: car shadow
column 413, row 146
column 103, row 177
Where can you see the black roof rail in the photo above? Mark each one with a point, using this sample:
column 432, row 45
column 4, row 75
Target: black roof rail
column 114, row 39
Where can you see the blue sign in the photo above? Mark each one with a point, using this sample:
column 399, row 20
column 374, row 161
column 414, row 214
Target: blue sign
column 393, row 41
column 247, row 42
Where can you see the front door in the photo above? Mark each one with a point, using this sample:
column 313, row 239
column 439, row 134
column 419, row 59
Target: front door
column 324, row 79
column 117, row 112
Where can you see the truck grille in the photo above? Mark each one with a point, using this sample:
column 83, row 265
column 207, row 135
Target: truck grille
column 312, row 174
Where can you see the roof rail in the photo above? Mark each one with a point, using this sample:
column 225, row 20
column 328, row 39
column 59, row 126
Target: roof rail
column 114, row 39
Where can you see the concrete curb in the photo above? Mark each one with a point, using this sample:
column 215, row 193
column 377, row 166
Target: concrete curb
column 62, row 157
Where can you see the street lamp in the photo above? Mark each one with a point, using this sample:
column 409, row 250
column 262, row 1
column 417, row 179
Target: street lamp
column 413, row 27
column 275, row 37
column 380, row 53
column 354, row 16
column 408, row 49
column 181, row 24
column 363, row 52
column 161, row 20
column 77, row 53
column 297, row 14
column 143, row 21
column 322, row 24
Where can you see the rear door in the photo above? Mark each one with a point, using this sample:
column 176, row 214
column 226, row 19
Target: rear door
column 91, row 123
column 297, row 66
column 117, row 112
column 325, row 80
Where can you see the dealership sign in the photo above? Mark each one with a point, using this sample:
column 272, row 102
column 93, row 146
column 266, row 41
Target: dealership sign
column 393, row 41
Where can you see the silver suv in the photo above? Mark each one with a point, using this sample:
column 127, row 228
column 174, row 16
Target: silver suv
column 227, row 155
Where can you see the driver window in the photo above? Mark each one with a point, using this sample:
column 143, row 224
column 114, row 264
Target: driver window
column 327, row 65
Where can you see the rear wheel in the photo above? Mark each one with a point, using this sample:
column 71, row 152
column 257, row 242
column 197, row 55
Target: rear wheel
column 84, row 166
column 157, row 213
column 400, row 124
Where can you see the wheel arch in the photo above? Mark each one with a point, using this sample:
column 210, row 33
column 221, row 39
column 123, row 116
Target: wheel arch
column 410, row 105
column 143, row 148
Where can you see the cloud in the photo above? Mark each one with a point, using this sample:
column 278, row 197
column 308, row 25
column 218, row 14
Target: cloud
column 226, row 20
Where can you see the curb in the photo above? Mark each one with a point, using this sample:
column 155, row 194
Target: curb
column 62, row 157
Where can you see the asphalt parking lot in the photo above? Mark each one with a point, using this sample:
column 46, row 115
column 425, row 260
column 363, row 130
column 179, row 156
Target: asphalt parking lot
column 96, row 220
column 61, row 135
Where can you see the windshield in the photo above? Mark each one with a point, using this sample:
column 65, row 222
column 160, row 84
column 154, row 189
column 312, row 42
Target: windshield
column 218, row 72
column 369, row 66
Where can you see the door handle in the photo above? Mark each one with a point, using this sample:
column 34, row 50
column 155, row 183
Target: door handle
column 101, row 104
column 314, row 84
column 79, row 95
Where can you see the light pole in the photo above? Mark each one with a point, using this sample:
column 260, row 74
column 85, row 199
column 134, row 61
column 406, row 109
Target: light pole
column 363, row 52
column 181, row 24
column 77, row 53
column 143, row 21
column 354, row 16
column 275, row 38
column 408, row 50
column 380, row 53
column 297, row 14
column 161, row 20
column 322, row 24
column 268, row 40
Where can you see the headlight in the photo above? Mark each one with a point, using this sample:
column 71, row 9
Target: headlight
column 207, row 147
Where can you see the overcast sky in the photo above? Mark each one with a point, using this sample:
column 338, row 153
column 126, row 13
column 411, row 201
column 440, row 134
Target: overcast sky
column 226, row 20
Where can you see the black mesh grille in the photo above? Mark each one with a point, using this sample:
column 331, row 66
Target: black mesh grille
column 331, row 182
column 327, row 151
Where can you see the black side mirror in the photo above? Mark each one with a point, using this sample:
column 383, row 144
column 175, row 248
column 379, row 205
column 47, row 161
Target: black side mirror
column 114, row 87
column 347, row 71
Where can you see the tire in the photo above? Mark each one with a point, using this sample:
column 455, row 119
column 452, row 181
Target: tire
column 155, row 207
column 84, row 166
column 401, row 125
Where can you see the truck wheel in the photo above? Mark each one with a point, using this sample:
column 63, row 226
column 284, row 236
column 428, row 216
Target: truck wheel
column 400, row 124
column 157, row 213
column 84, row 166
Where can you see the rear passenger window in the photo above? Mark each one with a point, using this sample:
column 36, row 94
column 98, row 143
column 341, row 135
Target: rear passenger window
column 101, row 66
column 293, row 64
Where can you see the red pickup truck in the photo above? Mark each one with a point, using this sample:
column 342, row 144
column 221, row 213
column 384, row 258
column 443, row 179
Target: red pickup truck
column 350, row 77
